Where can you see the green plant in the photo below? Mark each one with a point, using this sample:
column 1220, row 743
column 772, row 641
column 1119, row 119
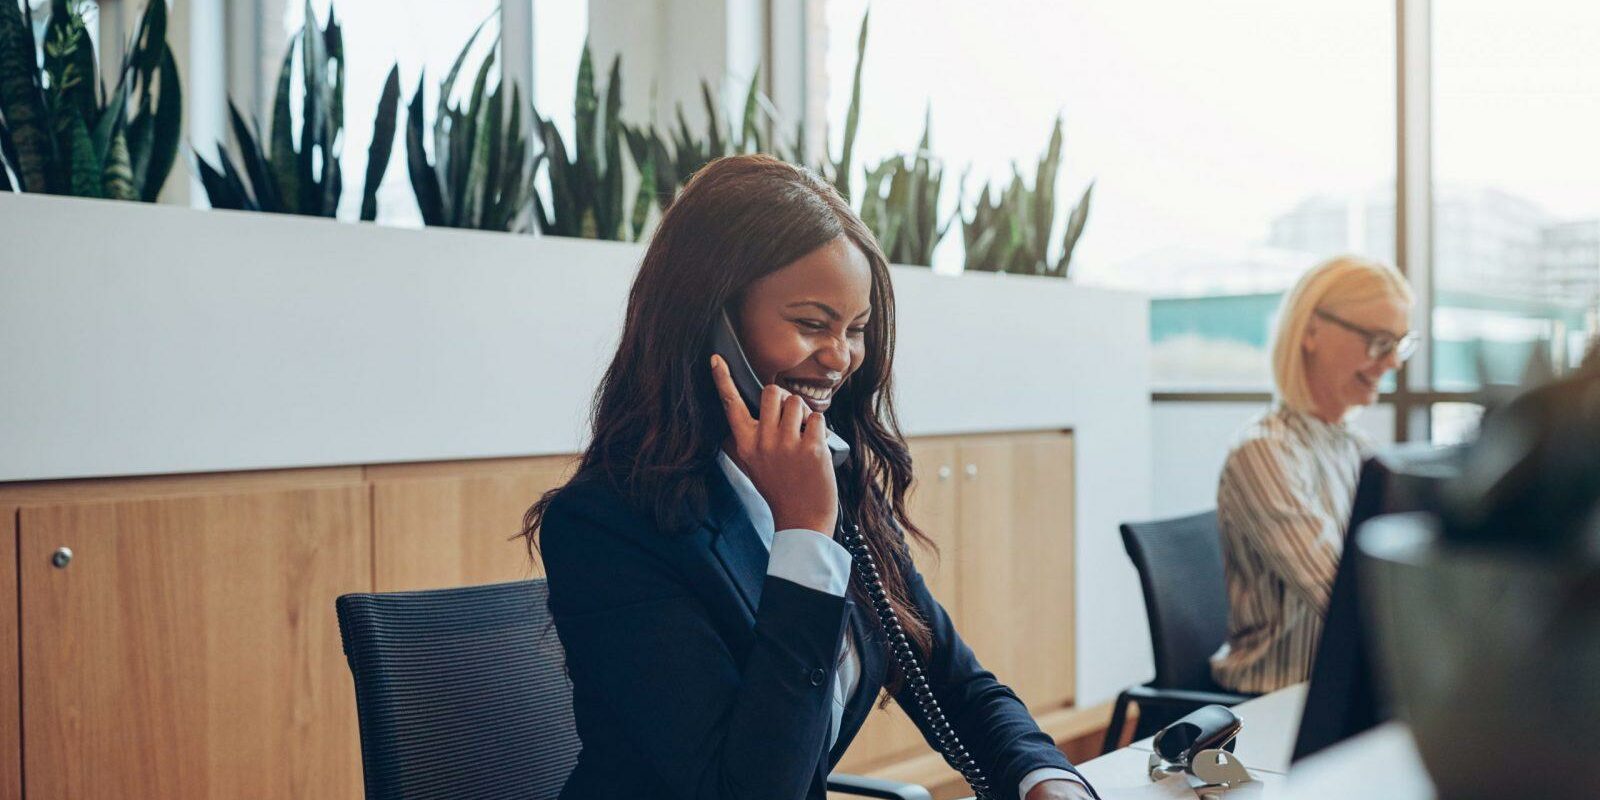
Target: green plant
column 302, row 176
column 586, row 193
column 670, row 160
column 482, row 173
column 838, row 172
column 1011, row 232
column 900, row 204
column 669, row 165
column 61, row 133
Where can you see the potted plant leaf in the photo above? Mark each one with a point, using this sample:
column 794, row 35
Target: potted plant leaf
column 1011, row 232
column 288, row 175
column 900, row 203
column 586, row 187
column 61, row 132
column 481, row 172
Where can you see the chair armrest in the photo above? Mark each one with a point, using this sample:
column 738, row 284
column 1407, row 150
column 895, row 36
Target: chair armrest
column 862, row 786
column 1183, row 698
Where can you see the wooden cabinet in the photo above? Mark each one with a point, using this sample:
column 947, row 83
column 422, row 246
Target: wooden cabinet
column 454, row 523
column 1016, row 568
column 1000, row 508
column 189, row 647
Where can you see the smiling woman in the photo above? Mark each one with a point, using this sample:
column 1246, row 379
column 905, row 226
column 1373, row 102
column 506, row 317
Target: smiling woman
column 804, row 326
column 1288, row 483
column 695, row 578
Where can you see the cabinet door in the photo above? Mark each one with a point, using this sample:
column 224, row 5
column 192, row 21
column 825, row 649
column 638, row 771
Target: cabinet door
column 888, row 734
column 1016, row 562
column 190, row 646
column 437, row 526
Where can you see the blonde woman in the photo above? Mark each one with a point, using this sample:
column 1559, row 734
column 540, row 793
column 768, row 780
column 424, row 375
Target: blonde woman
column 1288, row 483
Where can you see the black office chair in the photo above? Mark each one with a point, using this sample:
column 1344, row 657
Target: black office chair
column 1186, row 598
column 463, row 694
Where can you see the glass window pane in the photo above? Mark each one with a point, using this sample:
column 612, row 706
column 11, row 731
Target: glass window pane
column 559, row 32
column 1454, row 423
column 1232, row 145
column 378, row 34
column 1516, row 216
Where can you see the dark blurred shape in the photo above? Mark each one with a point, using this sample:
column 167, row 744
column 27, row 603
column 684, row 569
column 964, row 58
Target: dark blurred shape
column 1532, row 479
column 1344, row 699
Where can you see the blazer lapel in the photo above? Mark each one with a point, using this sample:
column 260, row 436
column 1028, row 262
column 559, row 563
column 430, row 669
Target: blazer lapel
column 735, row 543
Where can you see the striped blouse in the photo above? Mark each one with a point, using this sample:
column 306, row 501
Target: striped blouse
column 1282, row 504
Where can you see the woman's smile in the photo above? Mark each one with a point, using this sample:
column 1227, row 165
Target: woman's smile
column 816, row 394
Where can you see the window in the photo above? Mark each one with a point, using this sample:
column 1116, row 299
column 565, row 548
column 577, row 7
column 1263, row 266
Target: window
column 1217, row 180
column 1516, row 237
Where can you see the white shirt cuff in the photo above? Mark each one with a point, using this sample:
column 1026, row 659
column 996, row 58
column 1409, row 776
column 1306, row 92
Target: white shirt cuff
column 1043, row 774
column 810, row 559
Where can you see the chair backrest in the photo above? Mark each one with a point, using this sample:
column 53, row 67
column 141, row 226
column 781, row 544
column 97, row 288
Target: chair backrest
column 462, row 693
column 1185, row 595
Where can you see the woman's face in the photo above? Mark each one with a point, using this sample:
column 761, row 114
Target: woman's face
column 1340, row 372
column 803, row 326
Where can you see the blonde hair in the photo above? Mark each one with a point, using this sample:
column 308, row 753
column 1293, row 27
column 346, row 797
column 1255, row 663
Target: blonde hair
column 1334, row 284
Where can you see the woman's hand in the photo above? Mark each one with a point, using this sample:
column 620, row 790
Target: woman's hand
column 1060, row 790
column 785, row 454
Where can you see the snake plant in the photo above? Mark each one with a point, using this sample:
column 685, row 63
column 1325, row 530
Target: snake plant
column 840, row 173
column 286, row 175
column 671, row 159
column 1011, row 232
column 900, row 204
column 669, row 162
column 586, row 191
column 61, row 132
column 481, row 175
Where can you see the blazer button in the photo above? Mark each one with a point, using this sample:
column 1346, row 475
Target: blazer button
column 817, row 677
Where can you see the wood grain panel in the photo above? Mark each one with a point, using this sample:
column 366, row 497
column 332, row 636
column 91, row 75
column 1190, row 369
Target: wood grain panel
column 987, row 538
column 888, row 733
column 450, row 525
column 1042, row 481
column 10, row 680
column 101, row 489
column 190, row 649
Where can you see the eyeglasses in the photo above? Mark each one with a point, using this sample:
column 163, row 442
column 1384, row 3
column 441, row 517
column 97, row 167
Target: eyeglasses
column 1379, row 343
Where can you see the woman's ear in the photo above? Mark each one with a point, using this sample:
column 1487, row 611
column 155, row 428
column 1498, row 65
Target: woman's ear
column 1308, row 342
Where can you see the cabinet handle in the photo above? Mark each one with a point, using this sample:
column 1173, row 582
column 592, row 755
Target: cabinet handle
column 972, row 471
column 61, row 557
column 944, row 472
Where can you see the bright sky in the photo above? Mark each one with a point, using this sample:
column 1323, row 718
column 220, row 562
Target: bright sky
column 1202, row 121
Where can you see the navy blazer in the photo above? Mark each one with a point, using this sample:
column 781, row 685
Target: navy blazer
column 698, row 677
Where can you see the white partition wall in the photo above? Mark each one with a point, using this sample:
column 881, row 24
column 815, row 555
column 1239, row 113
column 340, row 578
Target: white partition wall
column 141, row 340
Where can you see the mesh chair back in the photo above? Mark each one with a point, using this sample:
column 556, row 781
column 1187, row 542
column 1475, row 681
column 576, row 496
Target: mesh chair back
column 462, row 693
column 1185, row 595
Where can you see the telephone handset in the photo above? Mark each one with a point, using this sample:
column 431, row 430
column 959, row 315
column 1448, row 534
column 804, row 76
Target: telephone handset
column 725, row 343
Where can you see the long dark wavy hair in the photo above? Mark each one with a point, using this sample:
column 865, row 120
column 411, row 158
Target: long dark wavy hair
column 657, row 421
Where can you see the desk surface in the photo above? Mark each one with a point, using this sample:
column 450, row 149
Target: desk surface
column 1265, row 744
column 1380, row 763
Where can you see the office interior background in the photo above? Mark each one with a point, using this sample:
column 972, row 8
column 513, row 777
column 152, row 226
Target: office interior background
column 1216, row 181
column 1229, row 146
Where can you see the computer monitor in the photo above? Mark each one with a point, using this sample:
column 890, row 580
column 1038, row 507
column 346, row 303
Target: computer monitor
column 1343, row 698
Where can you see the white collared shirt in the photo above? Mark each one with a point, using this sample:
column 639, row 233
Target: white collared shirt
column 815, row 561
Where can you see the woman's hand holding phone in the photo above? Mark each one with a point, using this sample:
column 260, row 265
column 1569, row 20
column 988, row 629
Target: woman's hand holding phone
column 784, row 452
